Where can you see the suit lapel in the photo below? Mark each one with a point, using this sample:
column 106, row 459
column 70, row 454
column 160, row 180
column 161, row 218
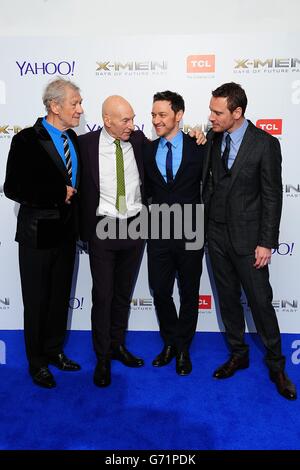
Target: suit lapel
column 138, row 157
column 214, row 141
column 75, row 143
column 93, row 156
column 207, row 160
column 155, row 169
column 49, row 147
column 184, row 159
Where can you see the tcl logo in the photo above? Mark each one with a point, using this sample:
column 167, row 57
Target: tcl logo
column 204, row 302
column 200, row 63
column 272, row 126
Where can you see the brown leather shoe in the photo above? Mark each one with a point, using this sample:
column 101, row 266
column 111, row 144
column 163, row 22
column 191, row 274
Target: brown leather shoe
column 285, row 387
column 165, row 357
column 231, row 366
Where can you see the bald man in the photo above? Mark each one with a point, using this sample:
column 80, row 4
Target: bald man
column 112, row 189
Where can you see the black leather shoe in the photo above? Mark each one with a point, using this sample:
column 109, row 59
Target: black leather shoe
column 43, row 378
column 62, row 362
column 165, row 357
column 183, row 363
column 102, row 376
column 231, row 366
column 120, row 353
column 285, row 387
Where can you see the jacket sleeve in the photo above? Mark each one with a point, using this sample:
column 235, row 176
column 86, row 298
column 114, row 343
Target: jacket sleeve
column 271, row 193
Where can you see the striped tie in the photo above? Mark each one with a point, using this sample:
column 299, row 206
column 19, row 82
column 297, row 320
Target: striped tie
column 121, row 195
column 67, row 156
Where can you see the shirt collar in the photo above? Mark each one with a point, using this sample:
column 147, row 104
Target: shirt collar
column 109, row 138
column 52, row 129
column 175, row 141
column 237, row 135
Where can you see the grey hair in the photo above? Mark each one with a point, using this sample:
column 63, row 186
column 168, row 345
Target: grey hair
column 56, row 91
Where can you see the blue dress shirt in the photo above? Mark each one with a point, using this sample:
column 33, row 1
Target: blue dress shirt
column 161, row 154
column 55, row 135
column 235, row 143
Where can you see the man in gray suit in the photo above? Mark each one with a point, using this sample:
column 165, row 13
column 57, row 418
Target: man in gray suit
column 242, row 192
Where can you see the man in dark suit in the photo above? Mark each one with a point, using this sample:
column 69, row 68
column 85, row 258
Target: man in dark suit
column 112, row 192
column 173, row 167
column 242, row 192
column 42, row 176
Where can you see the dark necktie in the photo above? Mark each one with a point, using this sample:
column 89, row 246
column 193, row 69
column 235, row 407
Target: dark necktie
column 225, row 155
column 67, row 156
column 121, row 194
column 169, row 163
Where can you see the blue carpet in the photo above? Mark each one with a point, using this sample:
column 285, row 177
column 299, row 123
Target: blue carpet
column 147, row 408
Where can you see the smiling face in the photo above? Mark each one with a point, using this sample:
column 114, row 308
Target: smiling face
column 165, row 120
column 221, row 118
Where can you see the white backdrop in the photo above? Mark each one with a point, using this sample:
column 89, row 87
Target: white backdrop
column 137, row 67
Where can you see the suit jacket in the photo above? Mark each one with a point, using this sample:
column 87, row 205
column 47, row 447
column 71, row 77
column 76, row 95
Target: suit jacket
column 36, row 178
column 90, row 183
column 254, row 196
column 186, row 186
column 185, row 189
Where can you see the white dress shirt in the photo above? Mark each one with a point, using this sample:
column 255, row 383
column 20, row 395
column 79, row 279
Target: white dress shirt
column 108, row 178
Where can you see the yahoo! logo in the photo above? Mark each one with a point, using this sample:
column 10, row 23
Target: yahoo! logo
column 76, row 303
column 284, row 249
column 46, row 68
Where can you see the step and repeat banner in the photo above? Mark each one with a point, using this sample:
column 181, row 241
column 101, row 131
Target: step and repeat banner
column 268, row 68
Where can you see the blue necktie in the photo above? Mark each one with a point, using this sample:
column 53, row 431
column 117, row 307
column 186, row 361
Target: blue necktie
column 169, row 163
column 225, row 155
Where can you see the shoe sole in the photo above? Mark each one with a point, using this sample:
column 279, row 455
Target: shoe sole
column 101, row 385
column 64, row 370
column 294, row 397
column 128, row 365
column 43, row 385
column 183, row 374
column 164, row 364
